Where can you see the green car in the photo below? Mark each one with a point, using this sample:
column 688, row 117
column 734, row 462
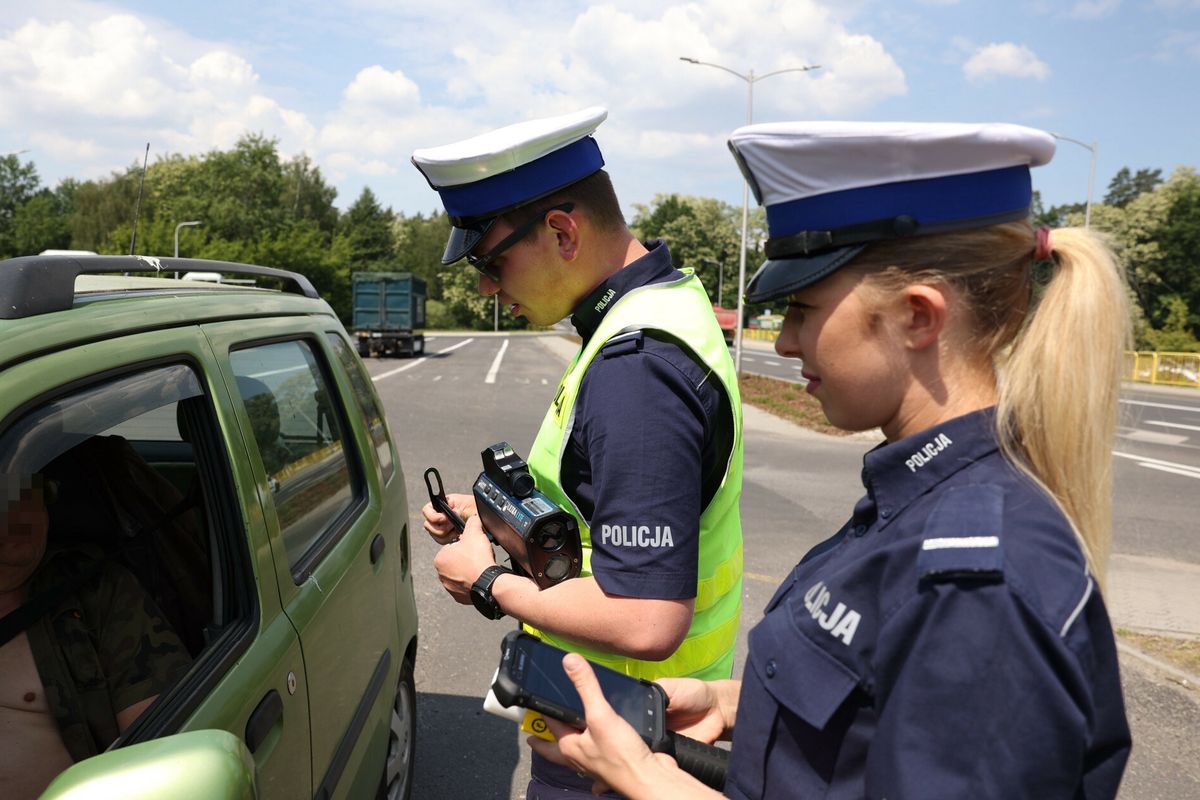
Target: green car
column 205, row 585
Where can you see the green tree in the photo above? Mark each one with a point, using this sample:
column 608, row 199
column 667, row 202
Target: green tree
column 1125, row 186
column 307, row 196
column 1175, row 335
column 366, row 230
column 40, row 223
column 650, row 221
column 98, row 207
column 419, row 243
column 18, row 184
column 706, row 235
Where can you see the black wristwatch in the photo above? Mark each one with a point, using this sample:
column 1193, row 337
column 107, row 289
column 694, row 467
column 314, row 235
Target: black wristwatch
column 481, row 591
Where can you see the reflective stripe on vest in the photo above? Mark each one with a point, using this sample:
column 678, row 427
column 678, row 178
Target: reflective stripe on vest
column 683, row 310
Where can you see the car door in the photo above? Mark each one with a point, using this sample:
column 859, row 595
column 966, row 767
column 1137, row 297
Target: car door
column 132, row 392
column 322, row 507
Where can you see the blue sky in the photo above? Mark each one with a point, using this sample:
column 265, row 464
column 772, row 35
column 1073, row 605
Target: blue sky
column 359, row 84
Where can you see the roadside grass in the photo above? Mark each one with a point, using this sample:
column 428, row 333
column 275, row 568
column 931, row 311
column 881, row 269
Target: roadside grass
column 1181, row 652
column 787, row 400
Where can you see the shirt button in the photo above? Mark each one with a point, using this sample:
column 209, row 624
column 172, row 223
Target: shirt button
column 771, row 668
column 859, row 530
column 885, row 512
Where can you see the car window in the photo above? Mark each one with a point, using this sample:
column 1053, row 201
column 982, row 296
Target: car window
column 297, row 429
column 372, row 416
column 105, row 484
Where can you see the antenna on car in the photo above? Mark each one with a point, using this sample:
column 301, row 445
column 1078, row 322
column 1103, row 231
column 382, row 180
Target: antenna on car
column 138, row 208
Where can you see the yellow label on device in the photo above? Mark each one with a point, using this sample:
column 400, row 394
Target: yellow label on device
column 533, row 723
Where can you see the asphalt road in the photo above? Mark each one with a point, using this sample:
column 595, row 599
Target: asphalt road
column 469, row 392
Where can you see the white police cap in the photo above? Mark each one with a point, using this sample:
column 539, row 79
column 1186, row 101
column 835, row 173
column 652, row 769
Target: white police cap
column 832, row 188
column 482, row 177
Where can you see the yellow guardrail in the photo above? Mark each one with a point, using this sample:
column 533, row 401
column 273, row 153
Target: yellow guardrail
column 1164, row 369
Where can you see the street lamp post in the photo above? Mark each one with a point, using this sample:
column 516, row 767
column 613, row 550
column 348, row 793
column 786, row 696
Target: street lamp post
column 190, row 224
column 1087, row 213
column 750, row 78
column 720, row 276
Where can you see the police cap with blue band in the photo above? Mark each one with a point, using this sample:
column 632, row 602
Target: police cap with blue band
column 483, row 177
column 832, row 188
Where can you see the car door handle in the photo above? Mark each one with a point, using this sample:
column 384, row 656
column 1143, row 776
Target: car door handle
column 377, row 545
column 263, row 719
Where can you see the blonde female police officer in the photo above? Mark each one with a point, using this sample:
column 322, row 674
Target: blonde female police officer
column 642, row 441
column 950, row 640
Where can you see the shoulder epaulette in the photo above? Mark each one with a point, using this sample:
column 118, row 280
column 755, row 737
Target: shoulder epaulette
column 963, row 535
column 623, row 344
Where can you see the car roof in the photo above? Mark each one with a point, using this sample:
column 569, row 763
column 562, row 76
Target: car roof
column 34, row 285
column 54, row 301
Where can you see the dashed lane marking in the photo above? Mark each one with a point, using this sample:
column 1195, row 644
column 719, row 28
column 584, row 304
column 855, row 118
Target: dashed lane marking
column 418, row 362
column 491, row 376
column 1161, row 465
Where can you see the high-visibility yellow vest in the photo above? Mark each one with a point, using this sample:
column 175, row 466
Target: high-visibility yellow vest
column 682, row 309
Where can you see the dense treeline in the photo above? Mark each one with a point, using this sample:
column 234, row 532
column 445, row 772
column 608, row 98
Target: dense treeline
column 255, row 207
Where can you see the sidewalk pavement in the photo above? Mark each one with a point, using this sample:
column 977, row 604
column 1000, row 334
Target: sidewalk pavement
column 1143, row 593
column 1154, row 595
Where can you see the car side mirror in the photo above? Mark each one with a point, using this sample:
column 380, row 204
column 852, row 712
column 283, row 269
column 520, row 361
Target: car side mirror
column 211, row 764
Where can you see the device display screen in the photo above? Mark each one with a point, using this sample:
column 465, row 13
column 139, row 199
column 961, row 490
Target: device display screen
column 537, row 668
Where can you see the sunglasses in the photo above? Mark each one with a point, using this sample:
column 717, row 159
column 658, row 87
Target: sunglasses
column 484, row 262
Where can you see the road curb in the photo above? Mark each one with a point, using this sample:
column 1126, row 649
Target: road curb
column 1180, row 676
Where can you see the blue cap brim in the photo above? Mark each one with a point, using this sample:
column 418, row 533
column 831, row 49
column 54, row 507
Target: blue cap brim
column 780, row 277
column 463, row 240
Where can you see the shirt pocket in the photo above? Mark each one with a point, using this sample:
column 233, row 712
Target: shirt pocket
column 791, row 690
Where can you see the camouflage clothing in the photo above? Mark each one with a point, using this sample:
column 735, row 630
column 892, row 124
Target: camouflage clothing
column 103, row 647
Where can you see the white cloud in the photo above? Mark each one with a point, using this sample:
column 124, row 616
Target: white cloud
column 376, row 87
column 125, row 80
column 426, row 76
column 1093, row 9
column 1005, row 59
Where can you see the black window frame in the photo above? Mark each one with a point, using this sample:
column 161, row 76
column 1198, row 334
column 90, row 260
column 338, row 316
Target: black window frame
column 360, row 499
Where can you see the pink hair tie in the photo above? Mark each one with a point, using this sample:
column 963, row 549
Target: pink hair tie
column 1043, row 249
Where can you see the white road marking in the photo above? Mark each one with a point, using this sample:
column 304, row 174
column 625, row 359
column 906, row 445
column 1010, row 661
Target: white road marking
column 1154, row 437
column 1159, row 464
column 418, row 362
column 491, row 376
column 1174, row 425
column 1193, row 409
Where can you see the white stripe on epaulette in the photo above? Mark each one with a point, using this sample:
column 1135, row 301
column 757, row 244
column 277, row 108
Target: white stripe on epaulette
column 960, row 541
column 1082, row 602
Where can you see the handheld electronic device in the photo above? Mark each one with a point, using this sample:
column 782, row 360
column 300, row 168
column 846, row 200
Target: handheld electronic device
column 541, row 539
column 531, row 675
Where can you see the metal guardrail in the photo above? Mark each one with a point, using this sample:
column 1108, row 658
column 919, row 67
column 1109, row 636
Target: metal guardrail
column 1163, row 369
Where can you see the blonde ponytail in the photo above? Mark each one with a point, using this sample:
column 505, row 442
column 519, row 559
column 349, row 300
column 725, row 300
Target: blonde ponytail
column 1058, row 357
column 1060, row 388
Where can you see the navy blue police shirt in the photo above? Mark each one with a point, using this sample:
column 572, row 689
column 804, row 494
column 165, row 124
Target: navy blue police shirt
column 947, row 642
column 651, row 439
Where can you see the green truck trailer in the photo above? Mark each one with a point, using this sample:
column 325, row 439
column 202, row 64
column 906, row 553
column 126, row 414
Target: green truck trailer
column 389, row 312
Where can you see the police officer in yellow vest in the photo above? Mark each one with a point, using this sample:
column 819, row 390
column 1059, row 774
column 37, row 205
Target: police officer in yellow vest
column 642, row 441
